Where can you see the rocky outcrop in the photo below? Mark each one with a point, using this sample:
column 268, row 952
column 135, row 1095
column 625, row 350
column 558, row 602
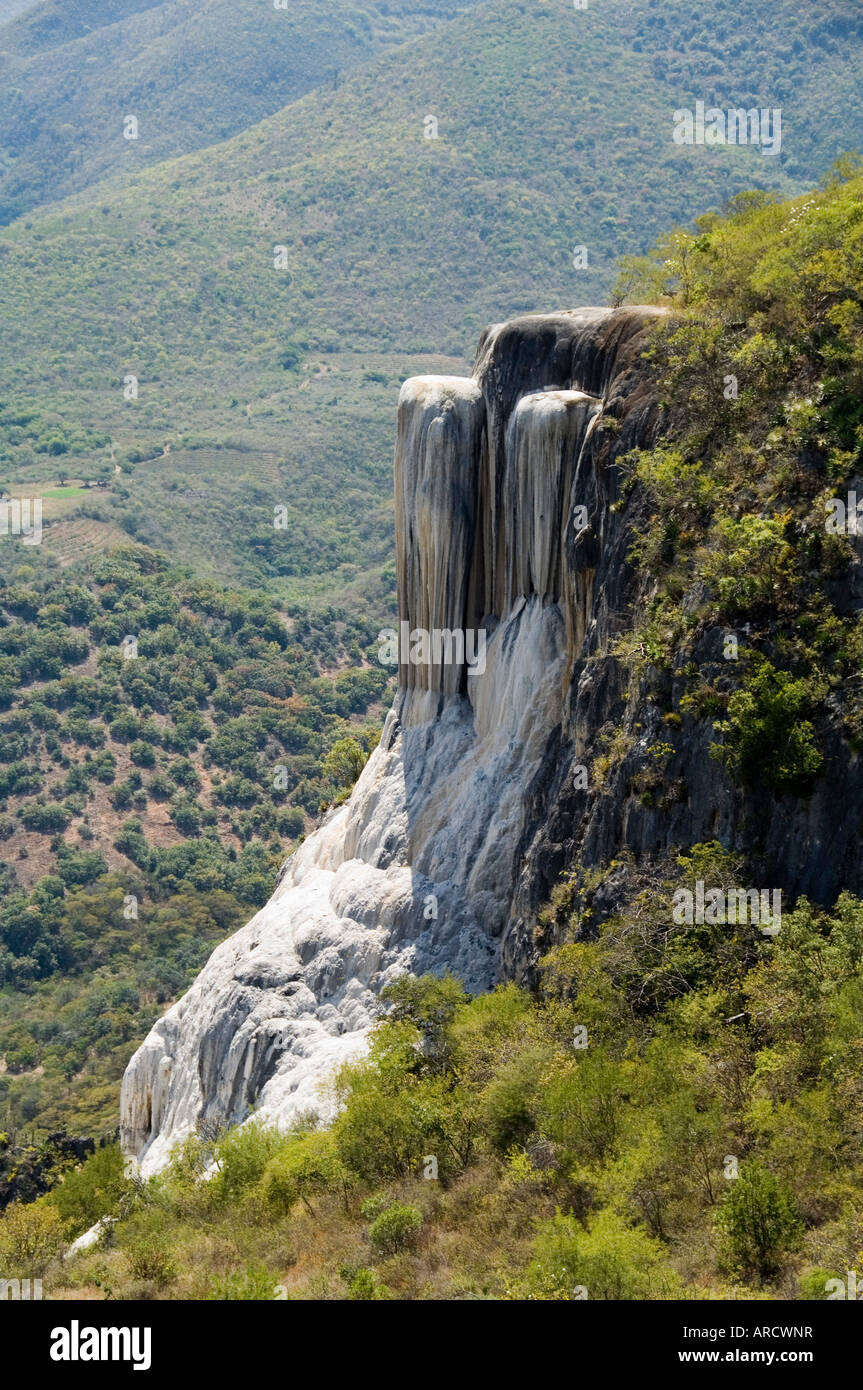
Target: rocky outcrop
column 510, row 524
column 503, row 486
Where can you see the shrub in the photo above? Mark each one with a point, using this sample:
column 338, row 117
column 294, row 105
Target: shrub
column 254, row 1284
column 752, row 565
column 395, row 1229
column 91, row 1190
column 242, row 1155
column 80, row 866
column 31, row 1237
column 758, row 1221
column 510, row 1101
column 307, row 1165
column 392, row 1118
column 186, row 815
column 609, row 1259
column 812, row 1286
column 150, row 1261
column 344, row 762
column 379, row 1133
column 47, row 818
column 364, row 1285
column 142, row 754
column 766, row 737
column 430, row 1003
column 373, row 1206
column 584, row 1109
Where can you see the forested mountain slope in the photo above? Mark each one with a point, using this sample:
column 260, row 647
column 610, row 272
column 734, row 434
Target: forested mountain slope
column 191, row 73
column 555, row 131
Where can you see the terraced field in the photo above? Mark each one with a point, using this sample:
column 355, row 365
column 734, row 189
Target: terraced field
column 72, row 541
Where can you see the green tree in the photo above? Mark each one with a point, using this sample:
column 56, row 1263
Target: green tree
column 758, row 1221
column 31, row 1238
column 344, row 762
column 305, row 1166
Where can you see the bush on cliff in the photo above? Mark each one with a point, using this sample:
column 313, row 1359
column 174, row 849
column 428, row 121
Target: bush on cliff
column 760, row 367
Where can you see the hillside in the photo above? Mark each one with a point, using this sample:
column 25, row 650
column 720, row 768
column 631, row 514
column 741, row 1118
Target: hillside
column 179, row 775
column 190, row 73
column 398, row 250
column 674, row 1109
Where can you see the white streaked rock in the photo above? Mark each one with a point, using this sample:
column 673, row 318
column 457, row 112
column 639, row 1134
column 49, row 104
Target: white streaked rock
column 417, row 871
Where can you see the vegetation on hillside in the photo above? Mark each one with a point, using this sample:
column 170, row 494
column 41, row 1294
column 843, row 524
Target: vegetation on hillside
column 163, row 742
column 555, row 131
column 675, row 1111
column 190, row 73
column 676, row 1114
column 761, row 368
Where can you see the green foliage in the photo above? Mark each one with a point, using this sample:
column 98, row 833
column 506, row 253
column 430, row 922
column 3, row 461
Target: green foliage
column 760, row 368
column 372, row 1207
column 750, row 566
column 398, row 1108
column 87, row 1192
column 29, row 1170
column 766, row 738
column 242, row 1156
column 429, row 1003
column 395, row 1229
column 758, row 1221
column 121, row 970
column 305, row 1166
column 812, row 1286
column 565, row 1170
column 364, row 1286
column 262, row 67
column 254, row 1284
column 607, row 1260
column 234, row 357
column 633, row 1130
column 225, row 692
column 344, row 762
column 31, row 1238
column 583, row 1110
column 46, row 818
column 510, row 1102
column 151, row 1261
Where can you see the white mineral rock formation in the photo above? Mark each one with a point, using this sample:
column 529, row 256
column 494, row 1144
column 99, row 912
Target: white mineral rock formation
column 89, row 1238
column 416, row 872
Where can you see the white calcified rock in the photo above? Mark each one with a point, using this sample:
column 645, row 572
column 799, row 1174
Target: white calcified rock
column 417, row 871
column 547, row 430
column 89, row 1238
column 413, row 873
column 438, row 459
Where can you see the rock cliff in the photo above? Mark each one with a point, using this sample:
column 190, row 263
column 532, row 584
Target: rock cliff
column 503, row 487
column 510, row 524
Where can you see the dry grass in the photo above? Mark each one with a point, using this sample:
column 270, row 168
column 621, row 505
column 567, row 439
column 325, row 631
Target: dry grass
column 476, row 1235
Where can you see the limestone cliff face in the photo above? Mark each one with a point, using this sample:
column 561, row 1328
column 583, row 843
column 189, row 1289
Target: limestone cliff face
column 505, row 484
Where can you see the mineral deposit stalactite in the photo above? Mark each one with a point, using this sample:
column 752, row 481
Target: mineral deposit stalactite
column 546, row 432
column 441, row 439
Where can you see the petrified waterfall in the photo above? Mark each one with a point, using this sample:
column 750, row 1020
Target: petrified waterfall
column 503, row 484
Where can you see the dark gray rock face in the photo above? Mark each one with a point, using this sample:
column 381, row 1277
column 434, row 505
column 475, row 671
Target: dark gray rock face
column 806, row 846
